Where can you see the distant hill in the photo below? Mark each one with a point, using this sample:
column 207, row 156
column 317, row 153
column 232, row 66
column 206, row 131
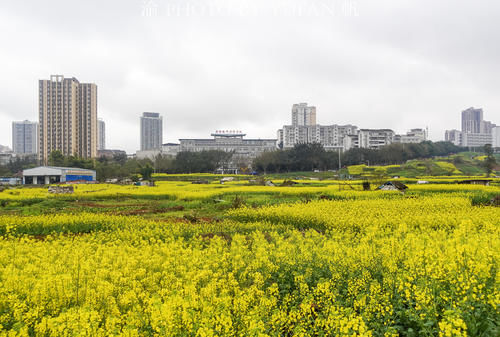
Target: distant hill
column 461, row 164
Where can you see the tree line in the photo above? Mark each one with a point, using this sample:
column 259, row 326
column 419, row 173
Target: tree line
column 308, row 157
column 120, row 166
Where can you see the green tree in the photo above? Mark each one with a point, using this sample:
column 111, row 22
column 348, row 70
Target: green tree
column 163, row 163
column 56, row 158
column 146, row 171
column 490, row 161
column 120, row 158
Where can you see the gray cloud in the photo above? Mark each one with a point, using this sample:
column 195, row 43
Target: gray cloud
column 242, row 64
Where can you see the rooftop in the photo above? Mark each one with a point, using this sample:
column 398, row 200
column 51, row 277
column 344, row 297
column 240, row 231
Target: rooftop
column 61, row 168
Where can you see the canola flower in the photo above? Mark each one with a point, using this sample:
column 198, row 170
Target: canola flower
column 181, row 190
column 368, row 264
column 435, row 212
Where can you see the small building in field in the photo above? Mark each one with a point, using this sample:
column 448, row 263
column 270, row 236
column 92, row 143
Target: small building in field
column 45, row 175
column 9, row 181
column 393, row 186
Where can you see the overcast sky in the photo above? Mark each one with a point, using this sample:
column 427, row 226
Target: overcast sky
column 241, row 64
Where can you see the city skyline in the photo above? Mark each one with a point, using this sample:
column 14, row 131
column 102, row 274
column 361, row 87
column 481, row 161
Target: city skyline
column 101, row 138
column 354, row 67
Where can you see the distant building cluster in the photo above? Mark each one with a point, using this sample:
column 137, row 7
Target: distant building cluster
column 304, row 129
column 476, row 132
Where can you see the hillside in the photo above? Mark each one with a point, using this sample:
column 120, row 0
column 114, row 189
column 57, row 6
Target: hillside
column 462, row 164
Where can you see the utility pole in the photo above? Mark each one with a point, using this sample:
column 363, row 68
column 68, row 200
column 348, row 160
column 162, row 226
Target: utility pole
column 340, row 165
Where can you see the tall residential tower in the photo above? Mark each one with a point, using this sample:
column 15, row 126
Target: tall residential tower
column 303, row 115
column 472, row 120
column 101, row 132
column 24, row 137
column 67, row 117
column 151, row 131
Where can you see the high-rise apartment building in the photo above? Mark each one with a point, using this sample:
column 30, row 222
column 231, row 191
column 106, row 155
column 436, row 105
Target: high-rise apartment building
column 67, row 117
column 472, row 120
column 101, row 134
column 151, row 131
column 24, row 137
column 303, row 115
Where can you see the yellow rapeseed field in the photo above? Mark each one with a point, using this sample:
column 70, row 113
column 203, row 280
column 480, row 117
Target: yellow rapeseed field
column 336, row 263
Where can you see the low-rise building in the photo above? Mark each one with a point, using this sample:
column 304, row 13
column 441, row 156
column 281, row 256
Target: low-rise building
column 4, row 149
column 476, row 139
column 148, row 154
column 45, row 175
column 229, row 141
column 375, row 138
column 279, row 136
column 6, row 158
column 170, row 149
column 244, row 150
column 351, row 141
column 330, row 136
column 495, row 136
column 413, row 136
column 453, row 136
column 110, row 153
column 9, row 181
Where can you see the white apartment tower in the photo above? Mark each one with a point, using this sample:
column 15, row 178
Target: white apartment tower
column 101, row 131
column 303, row 115
column 67, row 117
column 375, row 138
column 24, row 137
column 151, row 131
column 472, row 120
